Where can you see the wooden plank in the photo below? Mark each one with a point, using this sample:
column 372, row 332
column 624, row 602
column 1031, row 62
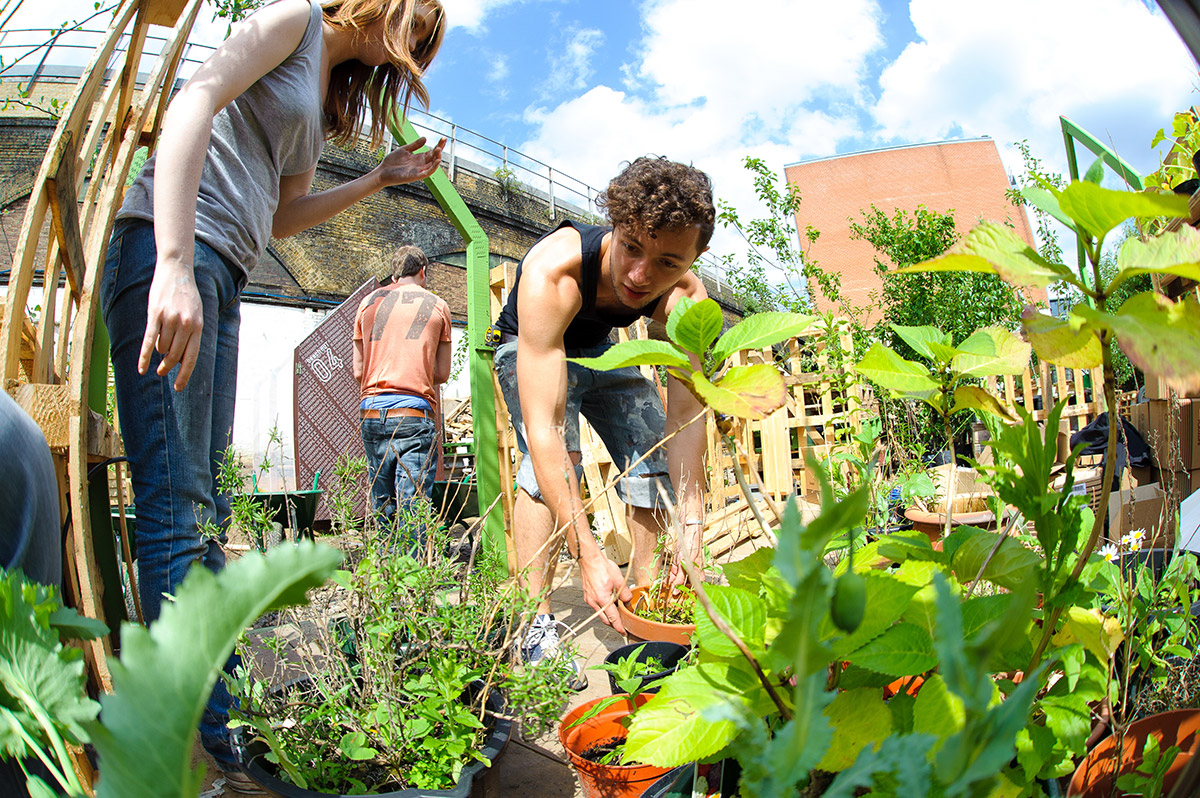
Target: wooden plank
column 64, row 212
column 163, row 12
column 43, row 362
column 19, row 281
column 52, row 406
column 91, row 588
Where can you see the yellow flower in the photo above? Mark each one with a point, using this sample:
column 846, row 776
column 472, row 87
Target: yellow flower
column 1109, row 553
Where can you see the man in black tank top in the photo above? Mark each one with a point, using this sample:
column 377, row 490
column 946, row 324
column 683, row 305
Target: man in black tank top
column 572, row 288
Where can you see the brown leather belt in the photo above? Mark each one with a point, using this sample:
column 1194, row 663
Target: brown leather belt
column 383, row 413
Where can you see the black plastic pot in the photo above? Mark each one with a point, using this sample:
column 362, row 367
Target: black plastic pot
column 470, row 781
column 677, row 783
column 669, row 654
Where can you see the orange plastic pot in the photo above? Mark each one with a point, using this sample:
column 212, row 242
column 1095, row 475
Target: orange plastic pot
column 597, row 780
column 646, row 629
column 1095, row 775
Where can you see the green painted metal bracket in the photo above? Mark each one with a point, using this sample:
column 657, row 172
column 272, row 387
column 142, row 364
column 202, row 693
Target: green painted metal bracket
column 483, row 398
column 1073, row 133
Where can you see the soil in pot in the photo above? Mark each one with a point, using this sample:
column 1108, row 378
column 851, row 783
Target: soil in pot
column 646, row 629
column 600, row 780
column 668, row 655
column 1095, row 774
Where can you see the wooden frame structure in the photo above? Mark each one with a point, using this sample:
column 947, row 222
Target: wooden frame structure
column 55, row 365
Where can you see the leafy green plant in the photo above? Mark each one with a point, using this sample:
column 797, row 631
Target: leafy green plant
column 43, row 705
column 771, row 245
column 1146, row 779
column 506, row 181
column 161, row 682
column 629, row 670
column 410, row 646
column 1159, row 335
column 947, row 384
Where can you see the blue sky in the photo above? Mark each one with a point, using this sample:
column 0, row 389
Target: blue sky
column 586, row 84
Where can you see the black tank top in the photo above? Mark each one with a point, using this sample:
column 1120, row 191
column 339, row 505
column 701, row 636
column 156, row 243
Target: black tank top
column 590, row 325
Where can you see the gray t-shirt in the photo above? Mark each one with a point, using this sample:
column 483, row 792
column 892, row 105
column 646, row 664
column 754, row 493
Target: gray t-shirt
column 275, row 128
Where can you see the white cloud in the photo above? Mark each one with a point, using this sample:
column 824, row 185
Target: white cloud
column 471, row 14
column 571, row 68
column 715, row 83
column 1110, row 66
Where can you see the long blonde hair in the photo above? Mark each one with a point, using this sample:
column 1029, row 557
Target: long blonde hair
column 354, row 87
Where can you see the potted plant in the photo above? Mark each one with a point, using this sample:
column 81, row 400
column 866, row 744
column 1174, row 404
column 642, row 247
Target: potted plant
column 947, row 386
column 401, row 671
column 637, row 667
column 1146, row 760
column 593, row 734
column 659, row 613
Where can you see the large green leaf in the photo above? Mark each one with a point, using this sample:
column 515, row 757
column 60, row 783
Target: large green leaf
column 903, row 650
column 744, row 391
column 674, row 728
column 1065, row 342
column 1162, row 337
column 1043, row 200
column 745, row 613
column 1176, row 252
column 696, row 328
column 995, row 249
column 882, row 366
column 637, row 353
column 920, row 338
column 1011, row 565
column 166, row 674
column 1098, row 210
column 991, row 351
column 972, row 397
column 938, row 711
column 859, row 718
column 760, row 331
column 38, row 674
column 904, row 756
column 887, row 598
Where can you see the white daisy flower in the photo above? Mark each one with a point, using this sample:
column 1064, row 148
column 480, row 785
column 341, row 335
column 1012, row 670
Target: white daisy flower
column 1109, row 553
column 1132, row 541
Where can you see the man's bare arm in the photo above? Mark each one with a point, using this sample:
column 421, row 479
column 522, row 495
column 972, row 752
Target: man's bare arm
column 549, row 298
column 442, row 364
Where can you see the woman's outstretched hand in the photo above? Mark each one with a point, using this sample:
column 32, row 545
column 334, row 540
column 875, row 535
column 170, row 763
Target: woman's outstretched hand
column 406, row 165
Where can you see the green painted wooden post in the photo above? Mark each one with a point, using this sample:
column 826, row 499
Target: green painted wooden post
column 1073, row 133
column 479, row 312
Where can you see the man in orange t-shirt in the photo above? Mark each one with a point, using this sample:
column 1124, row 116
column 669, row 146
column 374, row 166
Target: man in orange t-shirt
column 401, row 351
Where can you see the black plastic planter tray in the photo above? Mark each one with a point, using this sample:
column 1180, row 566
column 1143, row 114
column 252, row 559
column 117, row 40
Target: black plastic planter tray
column 263, row 772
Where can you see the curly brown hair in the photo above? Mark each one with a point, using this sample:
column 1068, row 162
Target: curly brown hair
column 654, row 193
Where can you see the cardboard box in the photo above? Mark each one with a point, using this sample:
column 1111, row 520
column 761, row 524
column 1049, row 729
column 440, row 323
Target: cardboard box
column 1165, row 431
column 1142, row 508
column 1139, row 416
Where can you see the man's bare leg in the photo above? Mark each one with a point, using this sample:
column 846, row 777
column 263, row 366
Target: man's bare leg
column 645, row 525
column 535, row 560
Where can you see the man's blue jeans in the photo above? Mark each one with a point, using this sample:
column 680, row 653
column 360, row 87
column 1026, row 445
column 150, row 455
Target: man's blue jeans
column 175, row 440
column 400, row 465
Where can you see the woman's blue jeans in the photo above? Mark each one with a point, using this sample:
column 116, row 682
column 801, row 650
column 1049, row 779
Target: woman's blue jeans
column 175, row 440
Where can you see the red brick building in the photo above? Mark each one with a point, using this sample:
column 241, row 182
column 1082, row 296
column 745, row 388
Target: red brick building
column 965, row 177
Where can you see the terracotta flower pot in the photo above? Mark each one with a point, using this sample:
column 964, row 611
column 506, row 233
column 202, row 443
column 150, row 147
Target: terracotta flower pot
column 645, row 629
column 934, row 524
column 897, row 686
column 597, row 780
column 1095, row 775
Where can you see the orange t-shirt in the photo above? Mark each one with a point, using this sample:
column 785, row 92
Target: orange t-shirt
column 400, row 327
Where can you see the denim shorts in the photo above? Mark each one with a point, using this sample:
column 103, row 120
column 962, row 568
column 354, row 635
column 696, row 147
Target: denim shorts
column 623, row 407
